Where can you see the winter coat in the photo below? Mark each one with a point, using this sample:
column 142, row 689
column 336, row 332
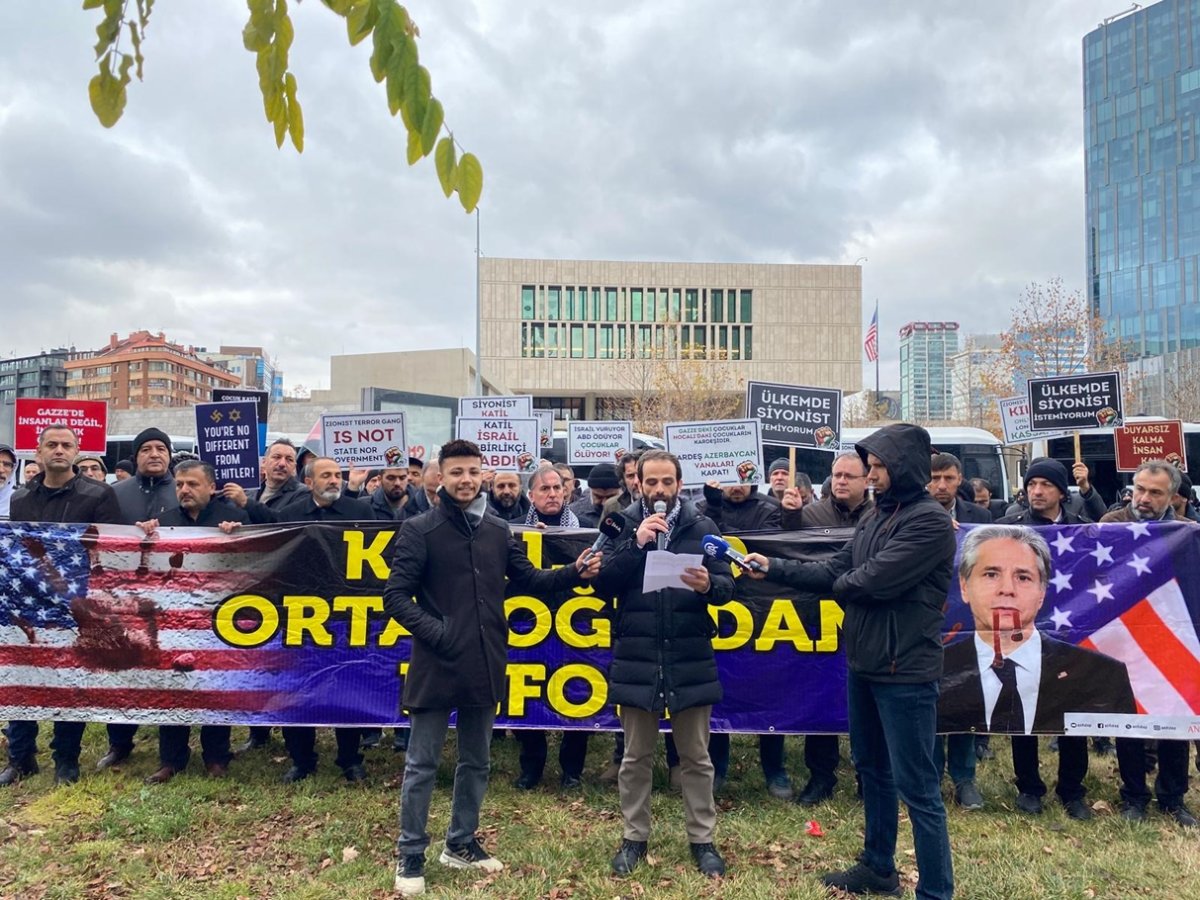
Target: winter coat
column 455, row 569
column 143, row 498
column 217, row 511
column 892, row 576
column 81, row 501
column 262, row 512
column 826, row 513
column 758, row 512
column 662, row 654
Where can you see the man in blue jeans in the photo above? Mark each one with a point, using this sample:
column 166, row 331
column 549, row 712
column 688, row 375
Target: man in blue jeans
column 452, row 560
column 891, row 578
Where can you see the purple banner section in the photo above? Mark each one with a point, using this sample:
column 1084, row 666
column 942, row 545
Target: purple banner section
column 285, row 625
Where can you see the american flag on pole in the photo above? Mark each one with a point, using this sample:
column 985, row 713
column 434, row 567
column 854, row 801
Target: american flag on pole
column 102, row 623
column 871, row 344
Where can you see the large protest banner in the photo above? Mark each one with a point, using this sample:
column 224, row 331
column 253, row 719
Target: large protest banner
column 284, row 625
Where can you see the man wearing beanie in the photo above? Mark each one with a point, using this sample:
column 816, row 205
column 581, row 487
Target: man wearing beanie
column 91, row 466
column 778, row 478
column 151, row 490
column 603, row 483
column 1046, row 490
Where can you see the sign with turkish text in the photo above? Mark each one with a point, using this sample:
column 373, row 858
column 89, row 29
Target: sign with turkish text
column 227, row 439
column 794, row 416
column 727, row 451
column 1140, row 442
column 1014, row 418
column 88, row 418
column 1075, row 402
column 370, row 439
column 545, row 419
column 590, row 443
column 496, row 407
column 507, row 445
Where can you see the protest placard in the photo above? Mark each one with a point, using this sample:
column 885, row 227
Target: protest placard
column 368, row 439
column 589, row 443
column 227, row 439
column 496, row 407
column 1014, row 418
column 507, row 445
column 727, row 451
column 1075, row 402
column 262, row 401
column 1139, row 442
column 88, row 418
column 545, row 419
column 795, row 416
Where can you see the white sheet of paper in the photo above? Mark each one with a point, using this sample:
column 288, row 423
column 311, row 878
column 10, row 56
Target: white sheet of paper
column 665, row 569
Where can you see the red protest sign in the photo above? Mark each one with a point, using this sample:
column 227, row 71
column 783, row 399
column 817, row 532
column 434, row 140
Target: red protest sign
column 89, row 418
column 1138, row 442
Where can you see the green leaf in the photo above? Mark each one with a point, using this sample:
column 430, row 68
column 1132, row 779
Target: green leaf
column 360, row 21
column 126, row 65
column 284, row 32
column 107, row 32
column 395, row 93
column 92, row 4
column 434, row 116
column 341, row 7
column 469, row 181
column 414, row 147
column 295, row 119
column 444, row 160
column 416, row 97
column 107, row 96
column 381, row 54
column 255, row 37
column 135, row 38
column 281, row 127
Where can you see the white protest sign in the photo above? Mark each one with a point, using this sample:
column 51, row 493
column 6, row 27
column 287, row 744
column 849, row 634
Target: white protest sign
column 589, row 443
column 370, row 439
column 1014, row 417
column 507, row 445
column 545, row 419
column 496, row 407
column 728, row 452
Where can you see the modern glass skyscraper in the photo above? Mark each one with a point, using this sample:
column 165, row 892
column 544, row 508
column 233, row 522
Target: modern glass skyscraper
column 1141, row 87
column 926, row 377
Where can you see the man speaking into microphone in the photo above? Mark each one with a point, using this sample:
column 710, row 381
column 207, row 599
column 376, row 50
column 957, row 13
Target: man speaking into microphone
column 662, row 658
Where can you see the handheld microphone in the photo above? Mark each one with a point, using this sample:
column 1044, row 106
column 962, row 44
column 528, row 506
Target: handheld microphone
column 719, row 548
column 611, row 528
column 660, row 509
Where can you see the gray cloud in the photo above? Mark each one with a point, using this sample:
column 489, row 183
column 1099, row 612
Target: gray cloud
column 943, row 141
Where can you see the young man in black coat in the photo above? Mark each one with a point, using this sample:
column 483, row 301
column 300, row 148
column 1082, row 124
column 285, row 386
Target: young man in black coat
column 56, row 495
column 662, row 659
column 453, row 560
column 892, row 579
column 200, row 506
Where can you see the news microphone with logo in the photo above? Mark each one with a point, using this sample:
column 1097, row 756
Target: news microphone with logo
column 611, row 527
column 719, row 548
column 660, row 509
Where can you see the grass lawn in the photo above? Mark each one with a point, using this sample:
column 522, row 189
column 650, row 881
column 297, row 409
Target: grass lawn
column 250, row 836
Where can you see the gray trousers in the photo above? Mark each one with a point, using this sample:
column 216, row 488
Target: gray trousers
column 690, row 730
column 426, row 739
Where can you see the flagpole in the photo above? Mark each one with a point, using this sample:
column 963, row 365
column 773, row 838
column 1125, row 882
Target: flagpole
column 877, row 356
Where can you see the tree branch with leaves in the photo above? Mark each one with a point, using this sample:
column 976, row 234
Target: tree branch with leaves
column 394, row 62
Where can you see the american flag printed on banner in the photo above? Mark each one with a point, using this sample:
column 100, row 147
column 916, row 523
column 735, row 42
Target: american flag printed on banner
column 1123, row 589
column 871, row 344
column 102, row 623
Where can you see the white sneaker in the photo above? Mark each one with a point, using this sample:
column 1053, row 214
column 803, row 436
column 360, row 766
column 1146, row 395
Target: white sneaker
column 469, row 856
column 410, row 875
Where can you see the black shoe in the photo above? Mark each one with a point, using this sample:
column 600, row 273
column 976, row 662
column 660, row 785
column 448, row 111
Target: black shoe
column 1182, row 816
column 14, row 772
column 527, row 781
column 354, row 774
column 780, row 787
column 984, row 751
column 967, row 795
column 469, row 856
column 371, row 740
column 1103, row 746
column 708, row 860
column 1028, row 803
column 816, row 791
column 295, row 773
column 719, row 782
column 410, row 875
column 66, row 773
column 861, row 879
column 400, row 742
column 1133, row 812
column 114, row 757
column 251, row 743
column 1078, row 810
column 570, row 782
column 628, row 857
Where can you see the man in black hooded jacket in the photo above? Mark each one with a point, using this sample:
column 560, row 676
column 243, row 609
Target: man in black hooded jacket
column 892, row 579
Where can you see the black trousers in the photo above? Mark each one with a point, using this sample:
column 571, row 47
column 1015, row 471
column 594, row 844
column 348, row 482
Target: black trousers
column 572, row 752
column 1072, row 767
column 1171, row 782
column 301, row 743
column 173, row 749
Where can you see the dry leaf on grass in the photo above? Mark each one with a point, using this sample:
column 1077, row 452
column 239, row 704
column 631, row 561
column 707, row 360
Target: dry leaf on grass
column 349, row 854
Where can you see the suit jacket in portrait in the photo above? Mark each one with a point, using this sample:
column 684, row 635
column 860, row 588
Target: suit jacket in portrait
column 1073, row 680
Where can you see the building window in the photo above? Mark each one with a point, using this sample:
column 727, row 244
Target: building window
column 747, row 307
column 651, row 304
column 735, row 351
column 723, row 342
column 576, row 342
column 675, row 316
column 553, row 306
column 699, row 342
column 552, row 341
column 524, row 340
column 527, row 301
column 635, row 304
column 591, row 342
column 538, row 340
column 748, row 343
column 610, row 304
column 621, row 342
column 606, row 342
column 731, row 309
column 691, row 310
column 569, row 309
column 717, row 299
column 596, row 317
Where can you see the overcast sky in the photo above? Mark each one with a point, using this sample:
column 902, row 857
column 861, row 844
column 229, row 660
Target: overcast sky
column 940, row 139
